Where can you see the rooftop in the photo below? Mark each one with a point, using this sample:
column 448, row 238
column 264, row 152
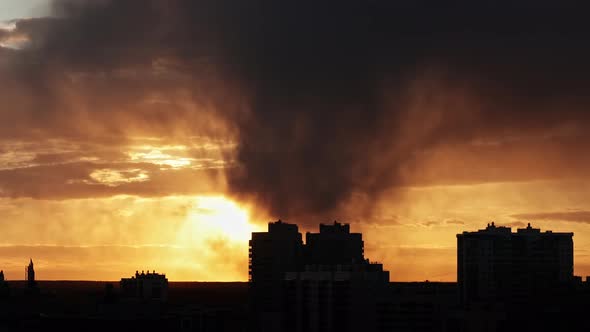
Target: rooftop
column 148, row 275
column 492, row 229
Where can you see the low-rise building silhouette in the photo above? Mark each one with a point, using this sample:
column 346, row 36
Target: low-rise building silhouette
column 145, row 286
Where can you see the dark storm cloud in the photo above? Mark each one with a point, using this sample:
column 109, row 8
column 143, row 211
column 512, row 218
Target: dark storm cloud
column 325, row 99
column 557, row 155
column 573, row 216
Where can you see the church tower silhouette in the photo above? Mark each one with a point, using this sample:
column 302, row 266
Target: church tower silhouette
column 30, row 274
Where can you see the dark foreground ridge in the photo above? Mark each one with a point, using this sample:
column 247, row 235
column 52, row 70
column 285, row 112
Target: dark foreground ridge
column 507, row 281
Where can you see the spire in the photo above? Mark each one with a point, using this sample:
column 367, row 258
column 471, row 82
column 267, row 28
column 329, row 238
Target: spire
column 30, row 273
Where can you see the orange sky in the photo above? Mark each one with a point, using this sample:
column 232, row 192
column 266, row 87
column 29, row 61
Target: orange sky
column 204, row 236
column 160, row 136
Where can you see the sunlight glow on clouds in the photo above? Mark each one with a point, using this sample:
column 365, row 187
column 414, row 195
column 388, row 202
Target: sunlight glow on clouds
column 8, row 26
column 159, row 158
column 195, row 230
column 218, row 216
column 15, row 42
column 12, row 39
column 18, row 154
column 10, row 159
column 188, row 237
column 112, row 177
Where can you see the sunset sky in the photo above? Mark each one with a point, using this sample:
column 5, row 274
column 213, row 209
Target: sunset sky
column 158, row 135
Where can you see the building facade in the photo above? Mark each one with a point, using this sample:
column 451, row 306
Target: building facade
column 145, row 286
column 275, row 252
column 325, row 284
column 495, row 265
column 334, row 244
column 271, row 255
column 334, row 298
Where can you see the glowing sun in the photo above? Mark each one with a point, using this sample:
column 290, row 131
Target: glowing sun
column 217, row 216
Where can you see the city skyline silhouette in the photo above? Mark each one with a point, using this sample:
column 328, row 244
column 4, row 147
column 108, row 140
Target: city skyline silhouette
column 121, row 140
column 327, row 284
column 299, row 166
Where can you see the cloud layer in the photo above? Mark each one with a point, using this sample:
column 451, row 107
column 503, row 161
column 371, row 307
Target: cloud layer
column 323, row 101
column 573, row 216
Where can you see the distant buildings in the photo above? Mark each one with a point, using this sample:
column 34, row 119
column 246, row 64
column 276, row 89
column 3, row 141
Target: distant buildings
column 496, row 265
column 521, row 281
column 30, row 274
column 145, row 286
column 32, row 287
column 4, row 290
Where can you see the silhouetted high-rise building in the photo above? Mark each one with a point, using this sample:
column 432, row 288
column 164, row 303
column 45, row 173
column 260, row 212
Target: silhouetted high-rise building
column 334, row 244
column 275, row 252
column 324, row 285
column 496, row 265
column 271, row 255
